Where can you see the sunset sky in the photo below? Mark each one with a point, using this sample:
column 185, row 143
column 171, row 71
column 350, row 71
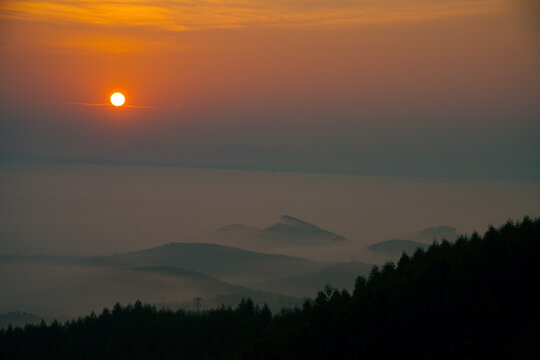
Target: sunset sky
column 434, row 88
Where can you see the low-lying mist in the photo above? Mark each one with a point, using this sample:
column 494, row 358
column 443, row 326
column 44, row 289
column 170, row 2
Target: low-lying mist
column 77, row 238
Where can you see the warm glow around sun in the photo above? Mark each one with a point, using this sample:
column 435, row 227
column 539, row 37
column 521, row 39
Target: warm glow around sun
column 117, row 99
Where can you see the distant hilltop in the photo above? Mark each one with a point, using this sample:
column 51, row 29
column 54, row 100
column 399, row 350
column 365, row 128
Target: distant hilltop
column 397, row 246
column 293, row 229
column 289, row 230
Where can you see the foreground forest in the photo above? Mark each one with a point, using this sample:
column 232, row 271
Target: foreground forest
column 473, row 298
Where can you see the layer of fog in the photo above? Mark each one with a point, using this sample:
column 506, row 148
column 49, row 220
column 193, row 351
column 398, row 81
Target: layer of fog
column 62, row 290
column 97, row 209
column 86, row 210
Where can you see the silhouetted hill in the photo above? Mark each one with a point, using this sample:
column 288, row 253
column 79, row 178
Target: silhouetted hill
column 223, row 262
column 170, row 274
column 216, row 293
column 61, row 288
column 204, row 283
column 294, row 230
column 396, row 247
column 288, row 231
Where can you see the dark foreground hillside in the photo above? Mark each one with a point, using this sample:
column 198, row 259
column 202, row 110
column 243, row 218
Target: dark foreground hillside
column 473, row 299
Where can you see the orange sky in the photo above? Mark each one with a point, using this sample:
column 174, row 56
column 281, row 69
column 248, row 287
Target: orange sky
column 198, row 71
column 202, row 43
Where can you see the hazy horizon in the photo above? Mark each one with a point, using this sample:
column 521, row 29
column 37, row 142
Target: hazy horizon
column 384, row 88
column 79, row 209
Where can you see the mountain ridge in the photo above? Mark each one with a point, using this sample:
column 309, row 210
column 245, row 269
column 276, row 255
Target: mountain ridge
column 288, row 230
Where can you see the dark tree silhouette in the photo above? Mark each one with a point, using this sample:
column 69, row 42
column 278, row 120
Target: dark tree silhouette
column 475, row 298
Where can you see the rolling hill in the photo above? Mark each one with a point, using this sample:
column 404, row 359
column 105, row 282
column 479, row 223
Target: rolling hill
column 224, row 262
column 288, row 231
column 60, row 289
column 294, row 230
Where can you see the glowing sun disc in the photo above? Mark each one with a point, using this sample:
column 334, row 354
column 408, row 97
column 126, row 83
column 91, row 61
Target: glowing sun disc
column 117, row 99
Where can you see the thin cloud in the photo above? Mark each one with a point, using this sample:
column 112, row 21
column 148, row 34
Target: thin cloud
column 126, row 105
column 85, row 104
column 114, row 27
column 141, row 106
column 182, row 15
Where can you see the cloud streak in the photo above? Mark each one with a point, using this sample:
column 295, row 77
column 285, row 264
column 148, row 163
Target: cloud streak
column 86, row 104
column 131, row 26
column 184, row 15
column 125, row 106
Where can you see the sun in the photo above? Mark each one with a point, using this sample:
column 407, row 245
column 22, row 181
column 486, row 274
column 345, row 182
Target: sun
column 117, row 99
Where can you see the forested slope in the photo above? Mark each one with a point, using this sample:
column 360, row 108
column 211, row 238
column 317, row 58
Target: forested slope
column 474, row 298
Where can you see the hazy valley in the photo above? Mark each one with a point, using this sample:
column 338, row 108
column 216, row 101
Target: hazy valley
column 174, row 275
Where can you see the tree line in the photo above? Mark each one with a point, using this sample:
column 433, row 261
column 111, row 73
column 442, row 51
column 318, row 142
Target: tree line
column 470, row 299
